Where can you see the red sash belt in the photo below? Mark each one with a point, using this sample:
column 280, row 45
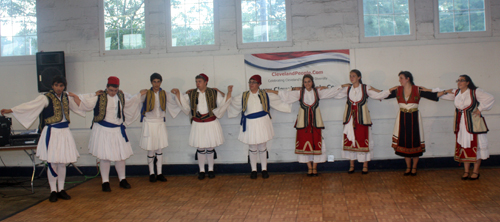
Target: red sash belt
column 202, row 118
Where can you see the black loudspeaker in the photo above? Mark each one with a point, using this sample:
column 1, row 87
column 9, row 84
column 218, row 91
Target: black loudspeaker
column 48, row 65
column 5, row 123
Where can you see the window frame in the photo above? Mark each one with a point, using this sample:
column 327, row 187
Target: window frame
column 239, row 30
column 12, row 58
column 411, row 36
column 102, row 34
column 193, row 48
column 487, row 24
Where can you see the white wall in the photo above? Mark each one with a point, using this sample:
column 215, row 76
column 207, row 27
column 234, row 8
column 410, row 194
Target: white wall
column 72, row 26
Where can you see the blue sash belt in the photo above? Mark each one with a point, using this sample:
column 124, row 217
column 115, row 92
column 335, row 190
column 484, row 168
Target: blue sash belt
column 47, row 140
column 111, row 125
column 244, row 118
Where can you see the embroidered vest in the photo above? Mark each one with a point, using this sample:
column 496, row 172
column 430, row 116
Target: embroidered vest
column 53, row 113
column 211, row 97
column 149, row 102
column 363, row 114
column 102, row 103
column 414, row 95
column 473, row 123
column 264, row 100
column 304, row 110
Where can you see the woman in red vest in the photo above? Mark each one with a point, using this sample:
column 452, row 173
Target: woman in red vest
column 469, row 125
column 408, row 136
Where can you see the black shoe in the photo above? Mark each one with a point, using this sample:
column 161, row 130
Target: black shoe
column 265, row 174
column 363, row 171
column 315, row 173
column 478, row 175
column 253, row 175
column 125, row 184
column 211, row 174
column 63, row 195
column 407, row 173
column 309, row 172
column 161, row 178
column 152, row 178
column 106, row 187
column 466, row 177
column 201, row 175
column 351, row 171
column 53, row 196
column 414, row 174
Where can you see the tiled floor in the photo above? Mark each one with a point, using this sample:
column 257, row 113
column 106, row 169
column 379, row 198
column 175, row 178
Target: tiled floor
column 432, row 195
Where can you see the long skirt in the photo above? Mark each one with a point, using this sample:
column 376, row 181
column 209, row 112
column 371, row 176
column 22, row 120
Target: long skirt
column 408, row 137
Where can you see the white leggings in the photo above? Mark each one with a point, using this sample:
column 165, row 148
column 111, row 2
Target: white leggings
column 206, row 154
column 258, row 150
column 60, row 170
column 159, row 162
column 105, row 167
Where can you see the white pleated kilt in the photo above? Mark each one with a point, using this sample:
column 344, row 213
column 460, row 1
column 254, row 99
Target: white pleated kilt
column 62, row 147
column 109, row 144
column 154, row 134
column 206, row 134
column 303, row 158
column 258, row 131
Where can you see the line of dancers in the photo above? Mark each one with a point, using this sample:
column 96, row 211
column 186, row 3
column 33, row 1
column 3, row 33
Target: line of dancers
column 113, row 109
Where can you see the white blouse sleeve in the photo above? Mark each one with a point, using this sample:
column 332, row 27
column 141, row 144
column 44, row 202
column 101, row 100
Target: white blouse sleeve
column 88, row 102
column 222, row 105
column 132, row 109
column 183, row 103
column 289, row 96
column 485, row 99
column 173, row 108
column 27, row 113
column 276, row 103
column 377, row 95
column 74, row 107
column 449, row 96
column 336, row 92
column 235, row 107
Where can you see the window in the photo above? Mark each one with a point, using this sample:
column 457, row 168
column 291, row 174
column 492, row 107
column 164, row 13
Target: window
column 264, row 23
column 124, row 25
column 192, row 24
column 462, row 18
column 18, row 27
column 386, row 20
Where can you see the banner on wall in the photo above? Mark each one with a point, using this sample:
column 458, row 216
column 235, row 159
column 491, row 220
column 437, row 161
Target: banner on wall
column 285, row 70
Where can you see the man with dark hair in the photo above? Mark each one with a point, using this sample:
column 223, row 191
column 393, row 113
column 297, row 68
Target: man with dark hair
column 256, row 128
column 56, row 145
column 205, row 105
column 109, row 141
column 154, row 135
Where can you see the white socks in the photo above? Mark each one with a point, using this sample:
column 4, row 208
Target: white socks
column 206, row 154
column 159, row 162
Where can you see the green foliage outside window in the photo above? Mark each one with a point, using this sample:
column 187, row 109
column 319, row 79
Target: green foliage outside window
column 18, row 27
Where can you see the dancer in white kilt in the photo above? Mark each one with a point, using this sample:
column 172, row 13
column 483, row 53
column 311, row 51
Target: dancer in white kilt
column 154, row 135
column 256, row 125
column 205, row 105
column 108, row 141
column 56, row 145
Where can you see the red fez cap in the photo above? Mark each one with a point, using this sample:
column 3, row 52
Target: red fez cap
column 113, row 80
column 205, row 77
column 257, row 78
